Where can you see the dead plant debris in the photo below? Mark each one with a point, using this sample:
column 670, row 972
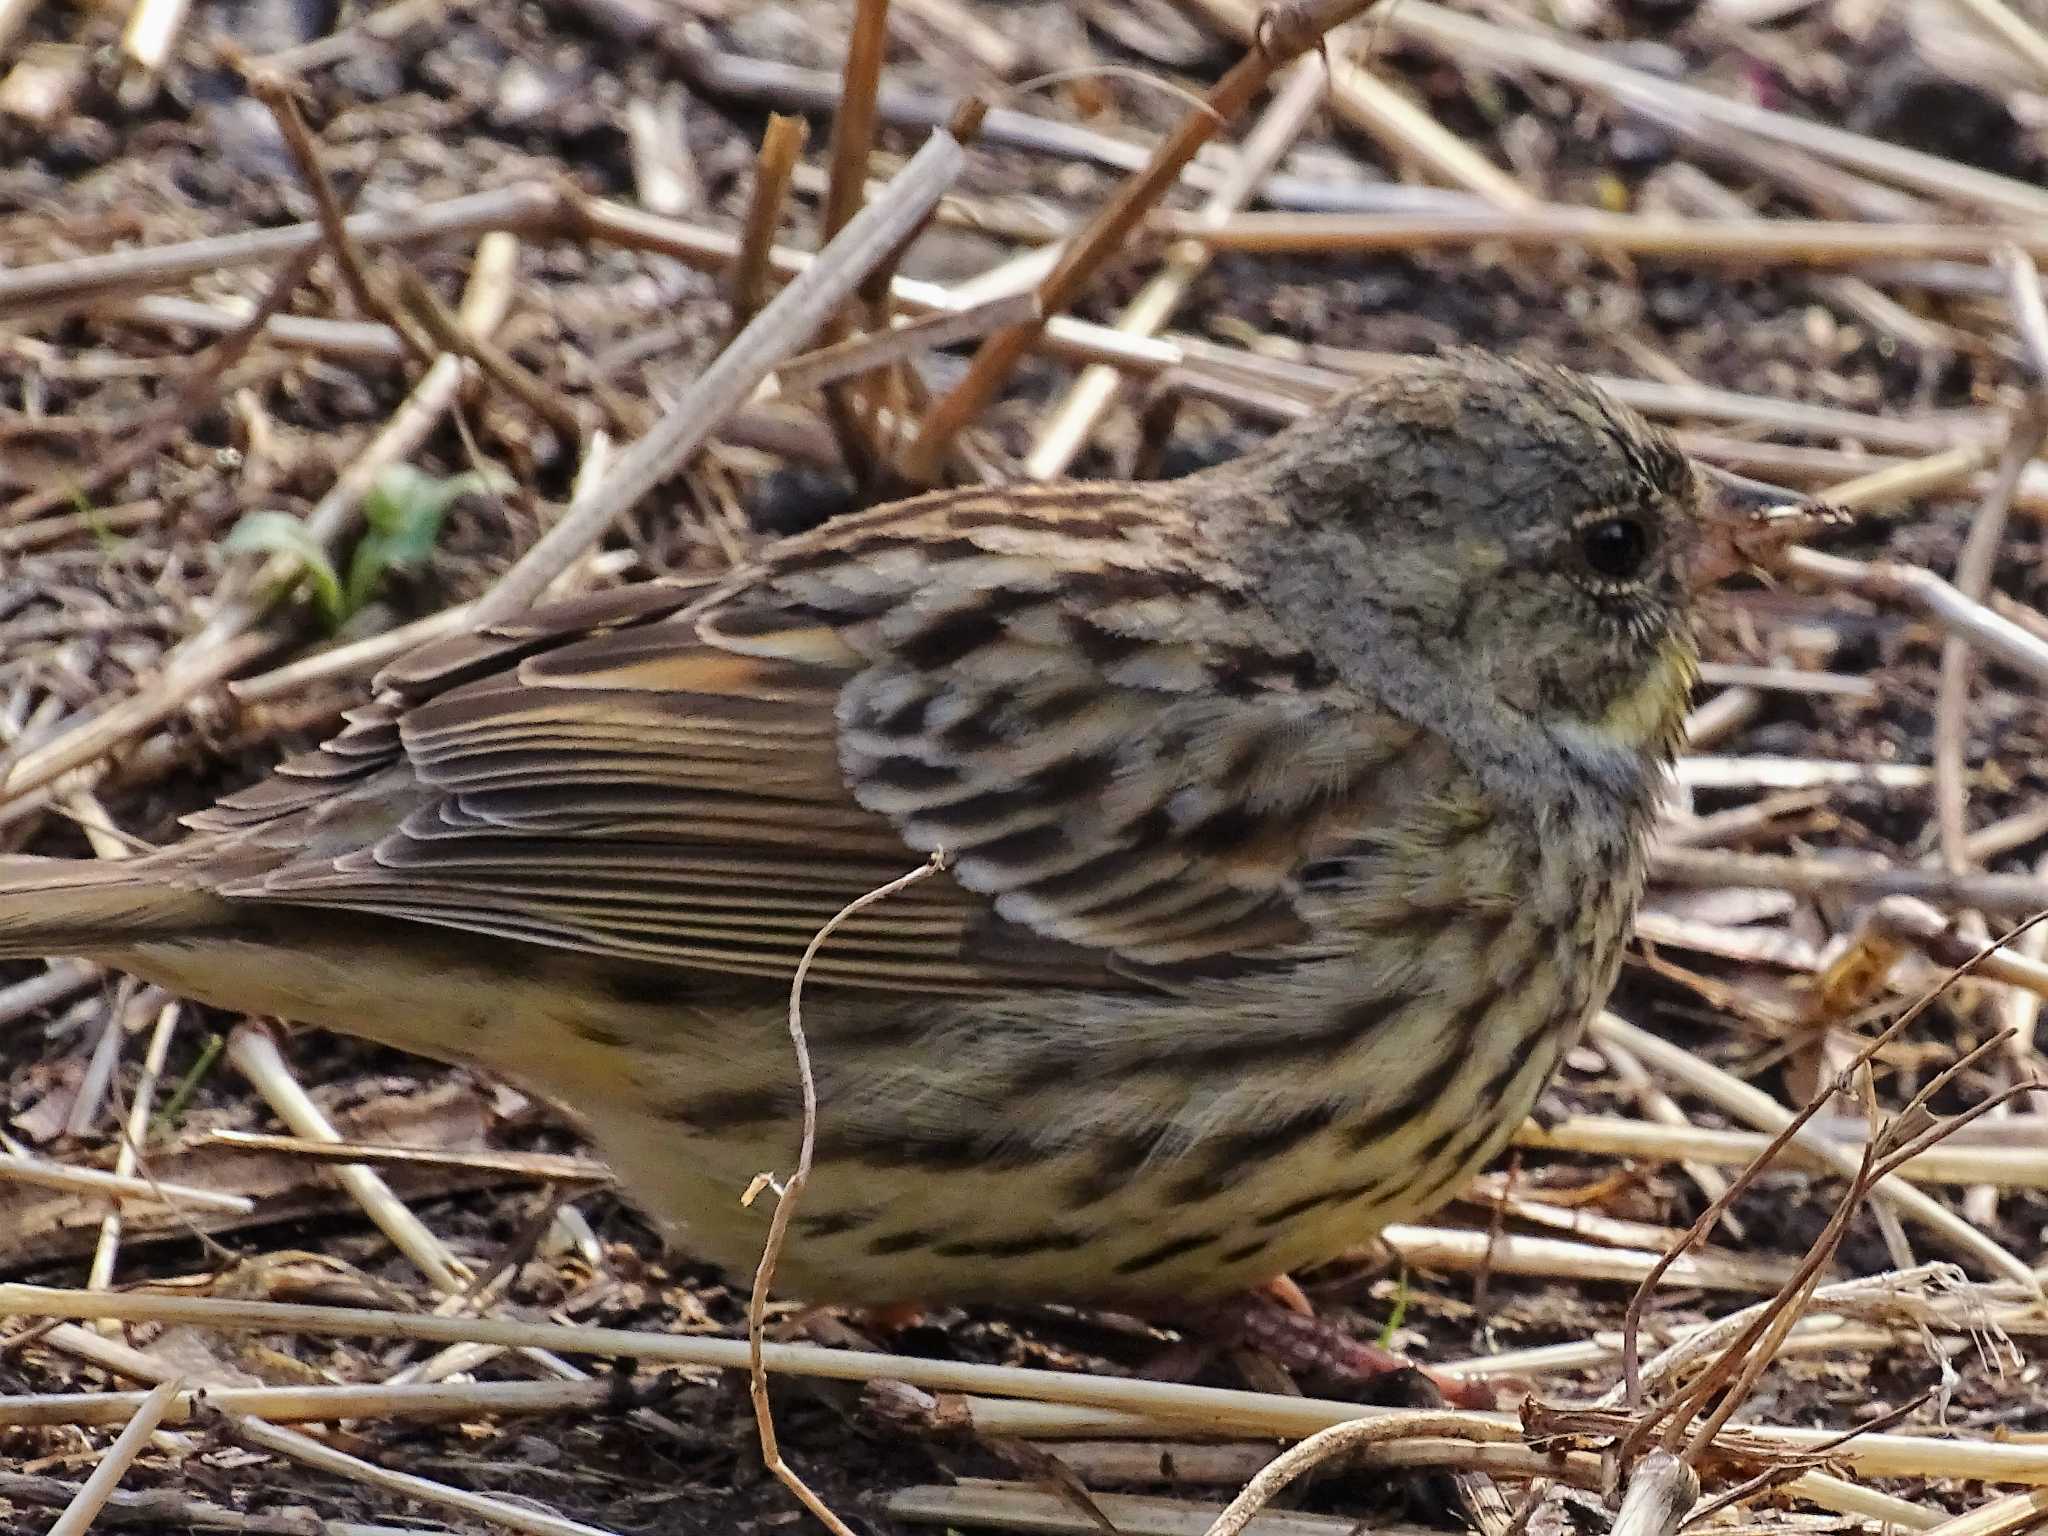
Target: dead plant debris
column 399, row 287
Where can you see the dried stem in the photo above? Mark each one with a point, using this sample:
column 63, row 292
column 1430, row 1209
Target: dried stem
column 254, row 1053
column 1752, row 1352
column 224, row 645
column 200, row 388
column 492, row 361
column 2015, row 31
column 782, row 142
column 141, row 1107
column 1214, row 1410
column 1107, row 232
column 1777, row 1476
column 83, row 1511
column 1759, row 1108
column 275, row 92
column 783, row 326
column 1407, row 132
column 319, row 1455
column 1811, row 876
column 1745, row 1357
column 1063, row 434
column 17, row 1168
column 525, row 207
column 1745, row 242
column 313, row 1404
column 1661, row 1491
column 852, row 411
column 791, row 1191
column 881, row 349
column 1973, row 580
column 1632, row 1317
column 1327, row 1445
column 152, row 33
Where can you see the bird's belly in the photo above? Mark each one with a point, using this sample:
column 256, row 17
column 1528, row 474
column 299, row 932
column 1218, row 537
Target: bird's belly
column 1135, row 1151
column 1158, row 1187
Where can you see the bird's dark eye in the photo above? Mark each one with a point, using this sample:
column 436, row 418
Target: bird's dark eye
column 1615, row 547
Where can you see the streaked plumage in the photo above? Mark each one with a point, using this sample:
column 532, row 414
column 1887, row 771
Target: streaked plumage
column 1295, row 811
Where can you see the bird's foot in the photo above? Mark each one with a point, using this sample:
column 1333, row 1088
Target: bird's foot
column 1274, row 1324
column 857, row 1327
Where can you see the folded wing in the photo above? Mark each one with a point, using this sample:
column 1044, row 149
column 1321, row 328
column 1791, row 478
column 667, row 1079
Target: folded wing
column 1125, row 762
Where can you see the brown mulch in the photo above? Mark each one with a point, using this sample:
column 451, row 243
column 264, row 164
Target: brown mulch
column 463, row 97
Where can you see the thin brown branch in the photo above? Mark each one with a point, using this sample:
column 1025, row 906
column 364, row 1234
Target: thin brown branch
column 1404, row 130
column 1772, row 1477
column 448, row 332
column 526, row 207
column 1934, row 1135
column 276, row 93
column 1735, row 1370
column 1758, row 1346
column 1733, row 1376
column 1632, row 1316
column 852, row 410
column 790, row 319
column 782, row 141
column 1791, row 1128
column 791, row 1191
column 1751, row 1104
column 1062, row 435
column 880, row 349
column 1293, row 31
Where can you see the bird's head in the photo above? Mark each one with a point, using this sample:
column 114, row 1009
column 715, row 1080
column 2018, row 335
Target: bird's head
column 1540, row 544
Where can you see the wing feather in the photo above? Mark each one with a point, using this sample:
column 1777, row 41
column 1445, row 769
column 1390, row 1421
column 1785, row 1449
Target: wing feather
column 1126, row 759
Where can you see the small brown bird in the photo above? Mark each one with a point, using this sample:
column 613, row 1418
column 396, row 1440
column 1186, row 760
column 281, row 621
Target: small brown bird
column 1295, row 812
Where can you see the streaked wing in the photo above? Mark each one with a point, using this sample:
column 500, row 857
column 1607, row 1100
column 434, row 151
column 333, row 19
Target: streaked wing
column 1127, row 761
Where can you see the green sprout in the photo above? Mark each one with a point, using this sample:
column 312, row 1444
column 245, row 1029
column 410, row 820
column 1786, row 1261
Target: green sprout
column 404, row 511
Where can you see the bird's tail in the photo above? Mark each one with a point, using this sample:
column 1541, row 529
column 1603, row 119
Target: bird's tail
column 97, row 907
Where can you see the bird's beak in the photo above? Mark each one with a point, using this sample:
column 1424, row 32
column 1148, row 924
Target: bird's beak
column 1747, row 523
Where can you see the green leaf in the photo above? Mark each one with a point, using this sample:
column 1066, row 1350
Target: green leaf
column 1399, row 1314
column 404, row 510
column 96, row 520
column 279, row 533
column 174, row 1106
